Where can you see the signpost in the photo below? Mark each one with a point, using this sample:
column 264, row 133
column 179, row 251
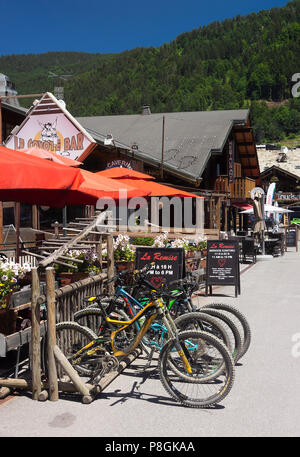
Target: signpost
column 222, row 265
column 291, row 238
column 169, row 264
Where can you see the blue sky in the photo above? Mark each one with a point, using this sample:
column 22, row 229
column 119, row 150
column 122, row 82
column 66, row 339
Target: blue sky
column 36, row 26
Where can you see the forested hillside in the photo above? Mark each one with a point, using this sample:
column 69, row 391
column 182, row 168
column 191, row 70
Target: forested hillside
column 237, row 63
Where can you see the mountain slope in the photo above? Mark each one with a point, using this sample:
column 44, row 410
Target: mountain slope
column 225, row 65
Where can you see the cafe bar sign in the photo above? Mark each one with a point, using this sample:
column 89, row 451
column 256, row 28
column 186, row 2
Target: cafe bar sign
column 51, row 127
column 222, row 265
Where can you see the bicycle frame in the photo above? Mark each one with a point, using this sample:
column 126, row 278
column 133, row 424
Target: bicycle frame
column 131, row 303
column 158, row 307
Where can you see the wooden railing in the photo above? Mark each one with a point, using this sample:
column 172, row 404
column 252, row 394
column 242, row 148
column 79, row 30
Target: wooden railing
column 69, row 299
column 239, row 188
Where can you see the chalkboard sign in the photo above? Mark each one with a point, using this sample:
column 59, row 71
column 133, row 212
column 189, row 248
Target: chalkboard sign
column 291, row 237
column 222, row 264
column 169, row 264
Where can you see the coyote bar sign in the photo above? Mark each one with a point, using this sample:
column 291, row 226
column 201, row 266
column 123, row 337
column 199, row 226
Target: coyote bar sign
column 51, row 127
column 168, row 264
column 222, row 264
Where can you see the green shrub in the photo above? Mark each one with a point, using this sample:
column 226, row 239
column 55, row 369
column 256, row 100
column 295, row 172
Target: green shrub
column 143, row 241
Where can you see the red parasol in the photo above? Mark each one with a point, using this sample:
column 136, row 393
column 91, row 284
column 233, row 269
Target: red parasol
column 28, row 179
column 120, row 172
column 92, row 186
column 155, row 189
column 53, row 156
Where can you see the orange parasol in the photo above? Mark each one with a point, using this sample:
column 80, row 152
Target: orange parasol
column 28, row 179
column 120, row 172
column 155, row 189
column 53, row 156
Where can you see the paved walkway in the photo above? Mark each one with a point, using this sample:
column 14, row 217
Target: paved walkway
column 264, row 400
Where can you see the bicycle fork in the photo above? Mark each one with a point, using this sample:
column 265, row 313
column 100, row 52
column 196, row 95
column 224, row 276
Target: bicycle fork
column 173, row 332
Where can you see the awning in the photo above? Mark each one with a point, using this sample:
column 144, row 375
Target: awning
column 244, row 206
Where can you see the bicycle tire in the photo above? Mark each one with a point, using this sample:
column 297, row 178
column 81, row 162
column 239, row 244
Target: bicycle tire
column 246, row 340
column 173, row 382
column 70, row 337
column 203, row 322
column 232, row 330
column 89, row 317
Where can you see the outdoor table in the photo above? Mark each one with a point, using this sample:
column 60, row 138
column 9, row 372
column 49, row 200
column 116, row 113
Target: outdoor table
column 270, row 245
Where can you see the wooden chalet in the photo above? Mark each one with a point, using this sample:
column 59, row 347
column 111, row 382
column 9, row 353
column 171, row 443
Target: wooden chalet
column 209, row 153
column 212, row 153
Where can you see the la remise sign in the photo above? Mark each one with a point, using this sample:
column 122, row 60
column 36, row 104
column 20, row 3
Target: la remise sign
column 51, row 127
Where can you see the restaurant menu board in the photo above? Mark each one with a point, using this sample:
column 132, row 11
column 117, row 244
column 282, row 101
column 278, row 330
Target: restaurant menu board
column 169, row 264
column 222, row 264
column 291, row 237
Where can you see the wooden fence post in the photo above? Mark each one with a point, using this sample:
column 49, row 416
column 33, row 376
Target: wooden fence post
column 35, row 334
column 51, row 334
column 110, row 262
column 99, row 250
column 74, row 376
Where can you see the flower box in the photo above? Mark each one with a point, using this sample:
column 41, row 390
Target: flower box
column 8, row 319
column 122, row 265
column 65, row 278
column 190, row 254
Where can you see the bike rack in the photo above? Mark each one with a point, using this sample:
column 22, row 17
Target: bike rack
column 76, row 239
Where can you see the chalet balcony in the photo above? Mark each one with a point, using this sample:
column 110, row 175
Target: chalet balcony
column 239, row 188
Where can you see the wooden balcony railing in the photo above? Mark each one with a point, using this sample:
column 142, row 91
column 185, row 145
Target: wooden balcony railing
column 239, row 188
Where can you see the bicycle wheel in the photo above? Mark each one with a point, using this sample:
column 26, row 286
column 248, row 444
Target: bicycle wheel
column 200, row 388
column 90, row 317
column 205, row 323
column 231, row 329
column 239, row 319
column 94, row 317
column 70, row 338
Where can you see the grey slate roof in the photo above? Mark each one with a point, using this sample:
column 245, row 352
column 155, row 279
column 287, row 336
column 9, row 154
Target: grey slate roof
column 190, row 137
column 16, row 109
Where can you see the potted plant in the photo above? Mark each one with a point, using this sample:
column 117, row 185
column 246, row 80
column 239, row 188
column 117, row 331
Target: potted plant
column 161, row 241
column 123, row 253
column 201, row 245
column 10, row 275
column 183, row 243
column 89, row 265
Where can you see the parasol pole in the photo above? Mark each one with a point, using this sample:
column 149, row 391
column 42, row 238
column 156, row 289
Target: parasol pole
column 260, row 193
column 262, row 197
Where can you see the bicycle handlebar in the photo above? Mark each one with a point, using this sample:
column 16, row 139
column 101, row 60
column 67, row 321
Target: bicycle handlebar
column 120, row 275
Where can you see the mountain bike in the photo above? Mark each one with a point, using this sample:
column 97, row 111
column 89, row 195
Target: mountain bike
column 122, row 302
column 195, row 367
column 180, row 301
column 177, row 295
